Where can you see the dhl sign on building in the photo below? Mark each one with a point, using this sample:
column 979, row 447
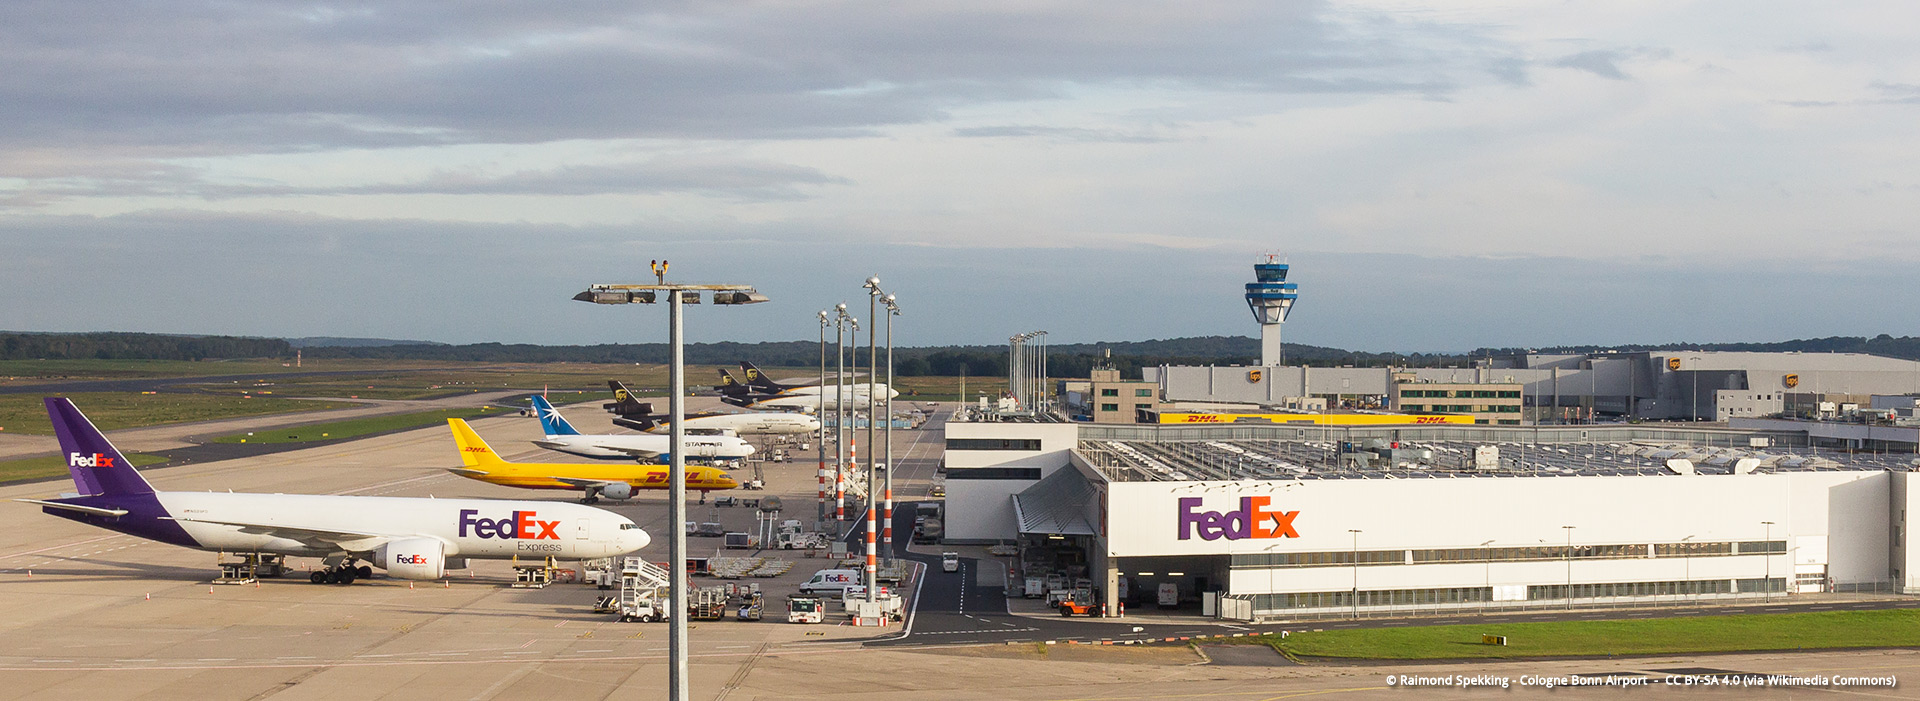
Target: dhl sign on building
column 1175, row 417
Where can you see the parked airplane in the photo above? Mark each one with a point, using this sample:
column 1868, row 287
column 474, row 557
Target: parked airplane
column 562, row 436
column 594, row 480
column 639, row 415
column 758, row 382
column 410, row 538
column 763, row 394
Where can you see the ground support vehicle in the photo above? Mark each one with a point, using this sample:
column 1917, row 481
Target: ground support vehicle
column 708, row 604
column 949, row 562
column 600, row 573
column 806, row 609
column 752, row 610
column 643, row 591
column 252, row 566
column 1078, row 607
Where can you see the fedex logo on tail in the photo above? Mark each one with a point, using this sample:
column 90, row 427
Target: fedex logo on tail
column 94, row 460
column 1251, row 520
column 521, row 525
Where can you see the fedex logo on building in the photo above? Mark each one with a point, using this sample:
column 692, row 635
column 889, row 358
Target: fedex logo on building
column 523, row 525
column 1252, row 520
column 94, row 460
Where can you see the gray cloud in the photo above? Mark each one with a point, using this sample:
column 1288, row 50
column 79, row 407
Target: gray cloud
column 213, row 78
column 734, row 179
column 1897, row 93
column 1601, row 63
column 1073, row 134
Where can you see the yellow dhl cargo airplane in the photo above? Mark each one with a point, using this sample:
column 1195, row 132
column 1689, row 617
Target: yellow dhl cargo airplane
column 615, row 481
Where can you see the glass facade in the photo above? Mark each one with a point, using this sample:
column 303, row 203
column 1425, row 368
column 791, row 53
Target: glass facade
column 1529, row 553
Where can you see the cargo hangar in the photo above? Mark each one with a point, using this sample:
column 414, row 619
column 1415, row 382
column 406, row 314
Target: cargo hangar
column 1275, row 519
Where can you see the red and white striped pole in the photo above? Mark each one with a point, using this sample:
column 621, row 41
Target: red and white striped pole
column 886, row 513
column 840, row 490
column 873, row 583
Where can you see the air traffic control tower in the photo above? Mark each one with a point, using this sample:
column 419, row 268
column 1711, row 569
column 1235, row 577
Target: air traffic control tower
column 1271, row 299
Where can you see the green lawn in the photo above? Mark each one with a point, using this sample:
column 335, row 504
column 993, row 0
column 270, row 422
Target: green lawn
column 56, row 466
column 26, row 413
column 1744, row 633
column 23, row 372
column 351, row 428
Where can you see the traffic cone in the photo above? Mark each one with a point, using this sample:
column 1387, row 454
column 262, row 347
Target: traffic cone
column 409, row 586
column 446, row 584
column 149, row 596
column 209, row 591
column 29, row 574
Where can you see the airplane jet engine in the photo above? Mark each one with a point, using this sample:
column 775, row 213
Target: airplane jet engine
column 414, row 558
column 617, row 490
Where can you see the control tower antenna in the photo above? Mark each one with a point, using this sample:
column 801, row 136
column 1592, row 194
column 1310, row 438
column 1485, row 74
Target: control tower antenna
column 1271, row 300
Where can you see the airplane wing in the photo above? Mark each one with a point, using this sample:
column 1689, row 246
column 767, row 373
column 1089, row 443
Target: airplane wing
column 583, row 484
column 353, row 541
column 635, row 452
column 76, row 507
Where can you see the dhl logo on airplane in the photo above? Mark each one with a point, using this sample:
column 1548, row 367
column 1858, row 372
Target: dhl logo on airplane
column 661, row 478
column 1316, row 419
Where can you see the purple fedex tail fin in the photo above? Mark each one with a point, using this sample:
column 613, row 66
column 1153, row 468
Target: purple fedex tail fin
column 97, row 467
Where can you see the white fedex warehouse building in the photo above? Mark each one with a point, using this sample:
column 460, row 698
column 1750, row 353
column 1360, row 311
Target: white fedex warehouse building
column 1305, row 522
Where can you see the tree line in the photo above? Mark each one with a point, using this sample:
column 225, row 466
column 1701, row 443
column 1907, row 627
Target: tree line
column 1063, row 360
column 135, row 346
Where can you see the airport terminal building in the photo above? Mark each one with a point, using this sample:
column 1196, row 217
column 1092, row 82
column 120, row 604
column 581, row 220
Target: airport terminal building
column 1253, row 521
column 1656, row 385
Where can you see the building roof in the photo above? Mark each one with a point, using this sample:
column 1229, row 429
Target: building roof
column 1247, row 459
column 1057, row 505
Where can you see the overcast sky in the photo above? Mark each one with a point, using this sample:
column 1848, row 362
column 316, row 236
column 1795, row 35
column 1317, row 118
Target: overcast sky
column 1484, row 174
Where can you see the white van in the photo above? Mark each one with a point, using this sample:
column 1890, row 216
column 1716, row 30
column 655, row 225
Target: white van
column 835, row 581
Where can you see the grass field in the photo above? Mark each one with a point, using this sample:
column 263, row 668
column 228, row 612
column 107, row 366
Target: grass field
column 418, row 380
column 26, row 413
column 352, row 428
column 1744, row 633
column 944, row 389
column 33, row 372
column 56, row 466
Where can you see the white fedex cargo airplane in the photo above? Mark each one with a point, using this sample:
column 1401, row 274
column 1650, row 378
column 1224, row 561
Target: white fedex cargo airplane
column 410, row 538
column 562, row 436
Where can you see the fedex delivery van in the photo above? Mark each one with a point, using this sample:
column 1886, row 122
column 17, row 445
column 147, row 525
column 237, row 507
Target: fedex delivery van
column 833, row 581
